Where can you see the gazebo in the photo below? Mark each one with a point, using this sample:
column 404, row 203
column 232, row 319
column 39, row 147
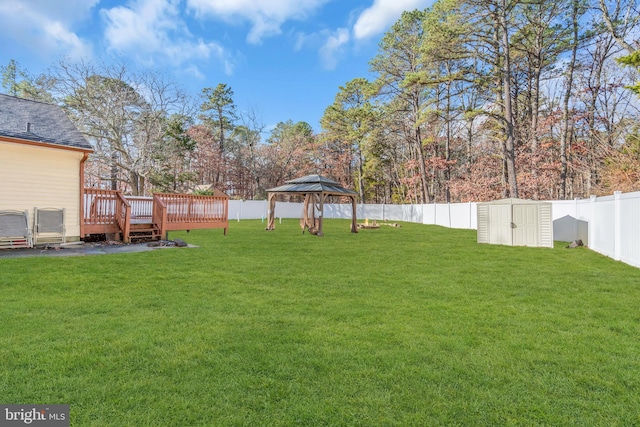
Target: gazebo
column 315, row 190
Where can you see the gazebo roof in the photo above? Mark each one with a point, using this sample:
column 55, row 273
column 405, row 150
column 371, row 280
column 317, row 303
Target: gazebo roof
column 313, row 184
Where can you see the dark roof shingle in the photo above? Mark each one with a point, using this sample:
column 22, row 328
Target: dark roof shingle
column 47, row 123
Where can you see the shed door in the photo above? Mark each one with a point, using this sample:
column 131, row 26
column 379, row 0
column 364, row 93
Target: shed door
column 500, row 224
column 525, row 218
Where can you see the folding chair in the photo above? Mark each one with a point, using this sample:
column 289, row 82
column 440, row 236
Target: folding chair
column 14, row 229
column 49, row 225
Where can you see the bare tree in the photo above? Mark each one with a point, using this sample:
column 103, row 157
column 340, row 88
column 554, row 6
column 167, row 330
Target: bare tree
column 123, row 114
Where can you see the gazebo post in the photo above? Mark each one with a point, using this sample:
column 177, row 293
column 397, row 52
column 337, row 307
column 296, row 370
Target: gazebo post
column 354, row 220
column 321, row 214
column 271, row 212
column 308, row 201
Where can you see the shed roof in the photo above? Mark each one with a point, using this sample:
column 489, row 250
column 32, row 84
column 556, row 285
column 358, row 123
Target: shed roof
column 512, row 201
column 313, row 184
column 48, row 123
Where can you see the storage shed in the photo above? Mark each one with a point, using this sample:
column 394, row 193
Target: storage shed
column 516, row 222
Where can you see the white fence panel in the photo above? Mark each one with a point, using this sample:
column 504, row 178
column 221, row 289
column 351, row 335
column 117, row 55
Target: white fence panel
column 247, row 209
column 289, row 210
column 568, row 225
column 407, row 213
column 443, row 215
column 583, row 215
column 371, row 212
column 398, row 212
column 452, row 215
column 629, row 228
column 337, row 210
column 602, row 229
column 413, row 213
column 235, row 210
column 428, row 214
column 464, row 215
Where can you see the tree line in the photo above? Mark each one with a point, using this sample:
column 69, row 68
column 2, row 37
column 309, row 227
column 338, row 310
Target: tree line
column 468, row 100
column 149, row 135
column 484, row 99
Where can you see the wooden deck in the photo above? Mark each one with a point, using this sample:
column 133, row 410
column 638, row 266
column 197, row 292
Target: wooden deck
column 130, row 218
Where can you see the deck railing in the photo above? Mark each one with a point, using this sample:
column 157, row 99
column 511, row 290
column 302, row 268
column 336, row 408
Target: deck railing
column 106, row 212
column 187, row 212
column 141, row 209
column 123, row 216
column 159, row 214
column 109, row 212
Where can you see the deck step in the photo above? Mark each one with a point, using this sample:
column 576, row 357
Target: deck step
column 140, row 233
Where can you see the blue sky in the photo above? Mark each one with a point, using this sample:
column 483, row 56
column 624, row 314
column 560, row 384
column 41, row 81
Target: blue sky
column 284, row 59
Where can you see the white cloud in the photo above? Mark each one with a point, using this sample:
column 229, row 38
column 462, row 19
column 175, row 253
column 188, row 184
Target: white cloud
column 382, row 14
column 153, row 30
column 333, row 47
column 266, row 16
column 194, row 71
column 45, row 26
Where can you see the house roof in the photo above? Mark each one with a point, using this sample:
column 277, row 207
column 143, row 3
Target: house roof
column 39, row 122
column 313, row 184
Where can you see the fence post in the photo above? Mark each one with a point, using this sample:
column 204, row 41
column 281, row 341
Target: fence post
column 591, row 242
column 435, row 210
column 617, row 226
column 576, row 232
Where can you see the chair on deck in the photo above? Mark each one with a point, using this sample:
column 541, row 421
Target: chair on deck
column 49, row 225
column 14, row 229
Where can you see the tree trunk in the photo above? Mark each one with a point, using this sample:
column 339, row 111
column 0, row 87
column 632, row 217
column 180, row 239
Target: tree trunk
column 114, row 170
column 135, row 183
column 564, row 138
column 510, row 156
column 535, row 108
column 361, row 176
column 447, row 148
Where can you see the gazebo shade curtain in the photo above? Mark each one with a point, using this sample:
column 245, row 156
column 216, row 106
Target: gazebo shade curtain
column 314, row 189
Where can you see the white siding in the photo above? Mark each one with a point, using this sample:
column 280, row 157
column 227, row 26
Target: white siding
column 545, row 225
column 34, row 176
column 483, row 223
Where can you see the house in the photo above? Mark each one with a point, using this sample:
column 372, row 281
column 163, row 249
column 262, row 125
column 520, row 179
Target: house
column 42, row 157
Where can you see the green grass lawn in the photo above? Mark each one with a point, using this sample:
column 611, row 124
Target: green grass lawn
column 410, row 326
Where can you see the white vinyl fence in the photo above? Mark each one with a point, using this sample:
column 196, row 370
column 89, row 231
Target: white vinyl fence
column 609, row 225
